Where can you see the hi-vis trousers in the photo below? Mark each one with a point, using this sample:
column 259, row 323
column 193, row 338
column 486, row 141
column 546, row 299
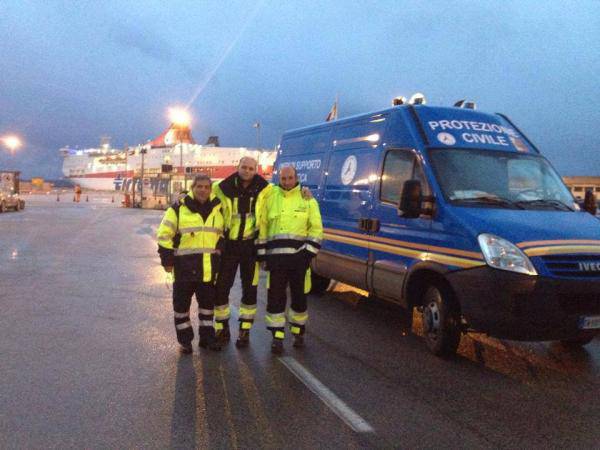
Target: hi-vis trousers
column 279, row 278
column 182, row 299
column 242, row 254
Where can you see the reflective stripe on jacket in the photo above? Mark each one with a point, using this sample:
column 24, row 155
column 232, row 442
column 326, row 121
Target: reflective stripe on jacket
column 289, row 224
column 197, row 241
column 233, row 218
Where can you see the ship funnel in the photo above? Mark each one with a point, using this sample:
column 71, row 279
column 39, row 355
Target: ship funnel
column 213, row 141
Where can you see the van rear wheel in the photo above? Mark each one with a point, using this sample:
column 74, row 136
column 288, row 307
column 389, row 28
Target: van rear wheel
column 18, row 206
column 2, row 207
column 319, row 284
column 441, row 320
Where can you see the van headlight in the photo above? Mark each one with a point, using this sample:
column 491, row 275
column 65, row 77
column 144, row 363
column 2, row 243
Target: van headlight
column 504, row 255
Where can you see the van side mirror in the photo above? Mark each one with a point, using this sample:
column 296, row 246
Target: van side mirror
column 411, row 199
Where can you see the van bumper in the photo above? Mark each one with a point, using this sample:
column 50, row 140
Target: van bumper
column 520, row 307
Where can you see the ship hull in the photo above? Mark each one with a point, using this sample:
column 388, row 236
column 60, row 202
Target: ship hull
column 112, row 169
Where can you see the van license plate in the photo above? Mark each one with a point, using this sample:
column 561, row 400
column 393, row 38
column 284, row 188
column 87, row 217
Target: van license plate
column 589, row 323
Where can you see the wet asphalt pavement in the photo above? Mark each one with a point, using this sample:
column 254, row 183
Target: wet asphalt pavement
column 88, row 359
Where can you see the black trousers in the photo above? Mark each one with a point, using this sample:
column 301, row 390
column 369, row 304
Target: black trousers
column 243, row 254
column 182, row 299
column 288, row 270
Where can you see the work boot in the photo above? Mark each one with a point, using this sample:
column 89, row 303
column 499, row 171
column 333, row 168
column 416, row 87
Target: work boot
column 243, row 339
column 277, row 346
column 212, row 344
column 185, row 349
column 298, row 341
column 223, row 335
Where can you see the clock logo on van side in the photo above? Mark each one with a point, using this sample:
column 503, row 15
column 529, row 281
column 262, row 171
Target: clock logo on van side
column 446, row 138
column 349, row 169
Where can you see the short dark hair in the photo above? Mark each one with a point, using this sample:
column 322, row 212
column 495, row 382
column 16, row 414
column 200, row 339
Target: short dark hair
column 251, row 158
column 201, row 177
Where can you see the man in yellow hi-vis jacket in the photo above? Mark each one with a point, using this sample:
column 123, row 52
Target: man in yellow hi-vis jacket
column 242, row 195
column 190, row 239
column 290, row 234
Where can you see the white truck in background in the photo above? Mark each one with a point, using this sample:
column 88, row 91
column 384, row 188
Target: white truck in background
column 9, row 191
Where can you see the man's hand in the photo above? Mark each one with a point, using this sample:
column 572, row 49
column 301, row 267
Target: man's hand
column 168, row 269
column 306, row 193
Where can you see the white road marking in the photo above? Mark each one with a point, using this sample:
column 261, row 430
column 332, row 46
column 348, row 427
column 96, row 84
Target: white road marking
column 337, row 405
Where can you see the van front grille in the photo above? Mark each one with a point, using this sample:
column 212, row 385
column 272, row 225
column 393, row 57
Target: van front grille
column 579, row 266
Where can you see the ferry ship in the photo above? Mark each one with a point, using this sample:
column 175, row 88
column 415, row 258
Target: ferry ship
column 174, row 151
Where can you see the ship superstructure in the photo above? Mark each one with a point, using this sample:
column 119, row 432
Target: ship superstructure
column 174, row 151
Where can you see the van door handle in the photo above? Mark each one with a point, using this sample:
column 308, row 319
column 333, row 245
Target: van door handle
column 362, row 224
column 369, row 225
column 374, row 225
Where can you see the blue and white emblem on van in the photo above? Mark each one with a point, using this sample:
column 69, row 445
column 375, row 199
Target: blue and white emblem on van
column 446, row 138
column 349, row 169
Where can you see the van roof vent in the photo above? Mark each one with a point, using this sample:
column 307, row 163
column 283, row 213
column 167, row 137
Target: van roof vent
column 465, row 104
column 417, row 99
column 399, row 101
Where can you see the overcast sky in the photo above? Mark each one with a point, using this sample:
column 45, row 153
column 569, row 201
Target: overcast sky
column 73, row 71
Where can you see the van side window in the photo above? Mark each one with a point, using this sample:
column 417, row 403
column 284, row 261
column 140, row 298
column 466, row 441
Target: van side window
column 399, row 166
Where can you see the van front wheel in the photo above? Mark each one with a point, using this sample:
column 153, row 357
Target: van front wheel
column 441, row 321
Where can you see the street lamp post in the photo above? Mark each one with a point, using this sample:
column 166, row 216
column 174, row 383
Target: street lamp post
column 181, row 164
column 257, row 126
column 180, row 119
column 143, row 151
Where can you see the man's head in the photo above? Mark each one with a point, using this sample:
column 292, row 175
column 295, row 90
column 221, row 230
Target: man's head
column 288, row 177
column 201, row 187
column 247, row 168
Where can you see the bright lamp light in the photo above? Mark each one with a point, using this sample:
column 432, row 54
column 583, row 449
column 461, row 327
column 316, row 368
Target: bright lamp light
column 11, row 142
column 179, row 116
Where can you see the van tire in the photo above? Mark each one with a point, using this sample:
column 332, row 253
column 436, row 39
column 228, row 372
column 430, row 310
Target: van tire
column 441, row 320
column 318, row 283
column 22, row 205
column 18, row 206
column 2, row 207
column 579, row 341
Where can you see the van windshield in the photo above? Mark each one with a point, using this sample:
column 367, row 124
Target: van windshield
column 500, row 180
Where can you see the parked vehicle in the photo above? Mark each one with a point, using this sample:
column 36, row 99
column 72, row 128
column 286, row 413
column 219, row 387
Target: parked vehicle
column 9, row 191
column 454, row 212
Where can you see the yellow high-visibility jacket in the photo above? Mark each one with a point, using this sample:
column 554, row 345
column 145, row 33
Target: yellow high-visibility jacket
column 289, row 224
column 190, row 242
column 241, row 206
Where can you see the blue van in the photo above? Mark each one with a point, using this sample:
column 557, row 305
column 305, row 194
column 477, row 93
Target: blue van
column 454, row 212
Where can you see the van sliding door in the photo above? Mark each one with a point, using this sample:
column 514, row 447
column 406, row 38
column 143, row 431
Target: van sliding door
column 345, row 205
